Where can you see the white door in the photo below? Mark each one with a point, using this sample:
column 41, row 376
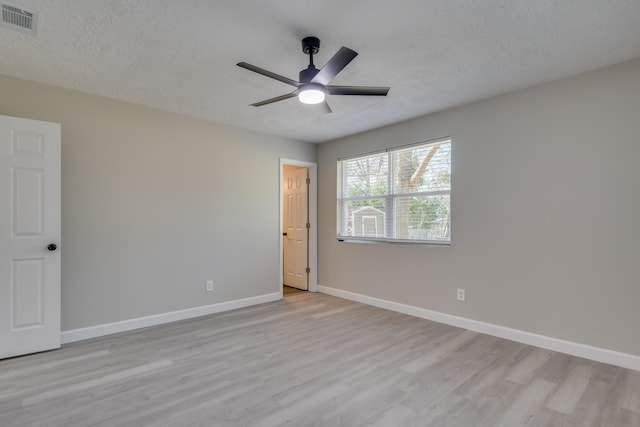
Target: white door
column 295, row 219
column 29, row 236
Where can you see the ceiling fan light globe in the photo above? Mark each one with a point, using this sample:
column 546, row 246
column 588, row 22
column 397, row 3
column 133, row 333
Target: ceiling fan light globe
column 311, row 96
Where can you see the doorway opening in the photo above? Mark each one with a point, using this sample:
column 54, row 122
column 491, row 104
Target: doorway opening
column 298, row 247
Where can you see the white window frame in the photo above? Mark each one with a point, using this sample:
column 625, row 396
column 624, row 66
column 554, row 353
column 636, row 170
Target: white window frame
column 390, row 199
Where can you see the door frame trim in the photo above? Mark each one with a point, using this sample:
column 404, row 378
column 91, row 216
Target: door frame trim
column 313, row 220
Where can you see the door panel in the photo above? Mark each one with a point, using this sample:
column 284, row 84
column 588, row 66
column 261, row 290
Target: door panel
column 28, row 199
column 27, row 288
column 295, row 219
column 29, row 222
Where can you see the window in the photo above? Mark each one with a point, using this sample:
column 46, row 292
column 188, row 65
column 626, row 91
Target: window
column 400, row 195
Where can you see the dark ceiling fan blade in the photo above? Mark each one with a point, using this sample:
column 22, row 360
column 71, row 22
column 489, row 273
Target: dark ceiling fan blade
column 336, row 64
column 264, row 72
column 358, row 90
column 276, row 99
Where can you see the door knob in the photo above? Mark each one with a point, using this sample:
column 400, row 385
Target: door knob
column 284, row 234
column 52, row 247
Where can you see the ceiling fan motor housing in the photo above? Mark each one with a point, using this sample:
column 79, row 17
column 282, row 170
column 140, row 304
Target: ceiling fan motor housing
column 307, row 74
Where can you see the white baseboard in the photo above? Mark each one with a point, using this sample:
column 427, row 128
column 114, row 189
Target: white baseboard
column 157, row 319
column 597, row 354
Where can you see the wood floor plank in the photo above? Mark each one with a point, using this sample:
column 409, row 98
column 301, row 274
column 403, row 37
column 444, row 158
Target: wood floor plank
column 423, row 361
column 395, row 416
column 630, row 395
column 49, row 365
column 81, row 386
column 311, row 360
column 524, row 370
column 570, row 391
column 527, row 404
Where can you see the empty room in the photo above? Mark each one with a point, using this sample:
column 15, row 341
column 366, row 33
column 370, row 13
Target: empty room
column 361, row 213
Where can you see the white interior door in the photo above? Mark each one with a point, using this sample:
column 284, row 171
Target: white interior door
column 295, row 218
column 29, row 236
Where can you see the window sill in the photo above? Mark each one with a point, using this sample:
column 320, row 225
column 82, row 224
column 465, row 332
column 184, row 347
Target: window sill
column 392, row 241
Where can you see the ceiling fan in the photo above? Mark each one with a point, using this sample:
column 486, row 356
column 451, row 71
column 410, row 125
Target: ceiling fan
column 313, row 84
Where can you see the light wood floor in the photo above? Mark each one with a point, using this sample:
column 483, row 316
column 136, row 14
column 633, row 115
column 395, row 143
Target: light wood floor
column 288, row 291
column 312, row 360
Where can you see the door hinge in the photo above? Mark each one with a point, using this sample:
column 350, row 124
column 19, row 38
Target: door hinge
column 308, row 181
column 308, row 270
column 308, row 226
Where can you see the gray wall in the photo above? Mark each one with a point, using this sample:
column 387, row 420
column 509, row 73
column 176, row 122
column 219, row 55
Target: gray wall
column 545, row 213
column 155, row 203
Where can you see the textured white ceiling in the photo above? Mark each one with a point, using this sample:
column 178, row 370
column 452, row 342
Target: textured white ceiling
column 180, row 55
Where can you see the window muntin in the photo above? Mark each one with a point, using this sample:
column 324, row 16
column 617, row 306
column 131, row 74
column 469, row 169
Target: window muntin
column 398, row 195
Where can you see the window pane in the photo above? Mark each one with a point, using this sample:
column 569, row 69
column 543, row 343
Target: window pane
column 422, row 218
column 366, row 176
column 364, row 218
column 424, row 168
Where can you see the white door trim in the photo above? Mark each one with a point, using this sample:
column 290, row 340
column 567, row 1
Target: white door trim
column 313, row 220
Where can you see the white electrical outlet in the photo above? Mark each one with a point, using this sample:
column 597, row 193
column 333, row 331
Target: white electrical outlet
column 209, row 285
column 460, row 294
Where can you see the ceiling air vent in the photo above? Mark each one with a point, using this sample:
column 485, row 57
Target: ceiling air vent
column 19, row 19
